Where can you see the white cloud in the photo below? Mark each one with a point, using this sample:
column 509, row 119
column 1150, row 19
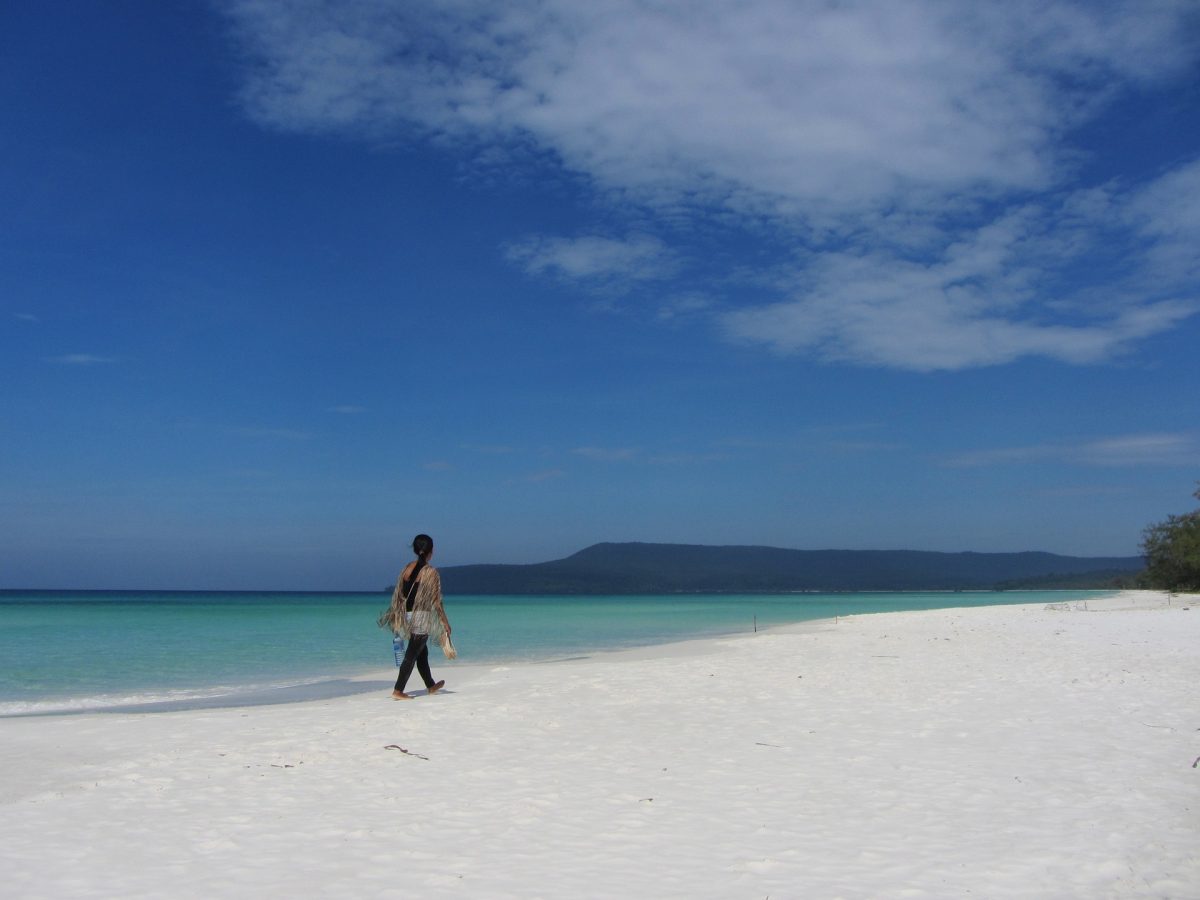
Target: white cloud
column 841, row 107
column 27, row 317
column 544, row 475
column 605, row 454
column 1167, row 215
column 896, row 144
column 1142, row 450
column 682, row 306
column 594, row 258
column 347, row 410
column 81, row 359
column 687, row 459
column 288, row 434
column 1160, row 449
column 1076, row 282
column 491, row 449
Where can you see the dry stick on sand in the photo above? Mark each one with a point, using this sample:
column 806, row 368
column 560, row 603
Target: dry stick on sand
column 405, row 752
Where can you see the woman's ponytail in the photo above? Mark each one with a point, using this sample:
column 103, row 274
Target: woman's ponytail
column 422, row 546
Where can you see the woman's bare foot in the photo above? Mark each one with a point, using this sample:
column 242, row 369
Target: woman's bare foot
column 437, row 686
column 400, row 695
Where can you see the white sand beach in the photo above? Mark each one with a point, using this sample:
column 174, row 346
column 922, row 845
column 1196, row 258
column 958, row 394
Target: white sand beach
column 1016, row 751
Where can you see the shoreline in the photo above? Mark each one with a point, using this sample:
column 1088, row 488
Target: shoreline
column 1005, row 751
column 382, row 679
column 350, row 682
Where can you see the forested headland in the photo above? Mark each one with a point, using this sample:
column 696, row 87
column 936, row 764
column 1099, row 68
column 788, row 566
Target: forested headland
column 643, row 568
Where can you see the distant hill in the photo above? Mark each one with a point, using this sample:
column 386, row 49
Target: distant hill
column 637, row 568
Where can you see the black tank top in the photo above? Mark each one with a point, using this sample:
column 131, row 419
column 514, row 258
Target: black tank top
column 407, row 585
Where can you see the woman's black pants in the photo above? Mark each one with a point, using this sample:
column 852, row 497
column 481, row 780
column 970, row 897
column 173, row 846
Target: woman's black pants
column 416, row 652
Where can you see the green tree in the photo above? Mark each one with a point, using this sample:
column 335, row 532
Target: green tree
column 1172, row 551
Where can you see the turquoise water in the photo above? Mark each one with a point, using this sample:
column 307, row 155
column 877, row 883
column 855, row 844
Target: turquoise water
column 69, row 651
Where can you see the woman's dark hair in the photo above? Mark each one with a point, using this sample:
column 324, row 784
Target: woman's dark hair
column 422, row 545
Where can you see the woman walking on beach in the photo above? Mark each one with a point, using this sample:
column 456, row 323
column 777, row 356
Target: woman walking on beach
column 416, row 612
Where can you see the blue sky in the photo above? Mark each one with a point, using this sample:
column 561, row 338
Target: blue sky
column 285, row 283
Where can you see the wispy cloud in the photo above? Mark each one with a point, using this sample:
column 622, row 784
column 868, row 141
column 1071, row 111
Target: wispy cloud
column 687, row 459
column 1083, row 491
column 81, row 359
column 865, row 446
column 27, row 317
column 1143, row 450
column 683, row 306
column 594, row 258
column 605, row 454
column 997, row 292
column 894, row 145
column 755, row 103
column 1166, row 215
column 347, row 410
column 491, row 449
column 1179, row 449
column 287, row 434
column 543, row 475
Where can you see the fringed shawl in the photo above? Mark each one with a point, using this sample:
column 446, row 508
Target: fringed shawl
column 427, row 606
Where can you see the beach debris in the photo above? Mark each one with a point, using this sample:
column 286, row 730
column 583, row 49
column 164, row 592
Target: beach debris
column 1196, row 763
column 404, row 751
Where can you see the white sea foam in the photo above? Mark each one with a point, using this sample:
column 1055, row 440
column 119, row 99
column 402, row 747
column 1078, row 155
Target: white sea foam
column 151, row 701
